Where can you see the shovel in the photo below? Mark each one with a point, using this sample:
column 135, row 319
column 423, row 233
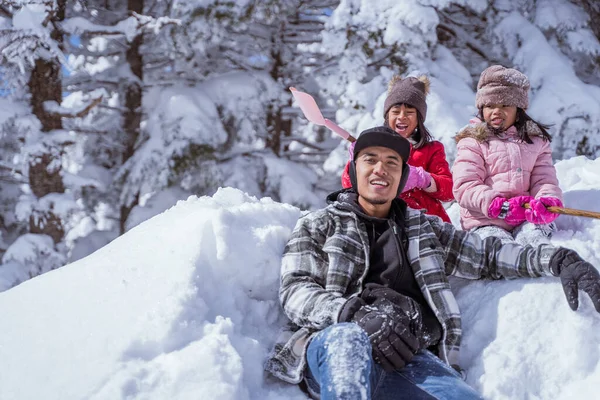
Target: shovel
column 311, row 111
column 570, row 211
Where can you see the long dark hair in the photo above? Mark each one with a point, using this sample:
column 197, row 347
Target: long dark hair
column 422, row 136
column 521, row 125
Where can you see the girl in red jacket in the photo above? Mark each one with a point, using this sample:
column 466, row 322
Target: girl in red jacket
column 430, row 181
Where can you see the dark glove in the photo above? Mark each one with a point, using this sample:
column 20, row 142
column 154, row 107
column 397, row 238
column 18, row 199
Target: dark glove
column 382, row 296
column 576, row 274
column 388, row 326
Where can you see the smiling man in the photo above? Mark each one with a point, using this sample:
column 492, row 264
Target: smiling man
column 363, row 282
column 378, row 172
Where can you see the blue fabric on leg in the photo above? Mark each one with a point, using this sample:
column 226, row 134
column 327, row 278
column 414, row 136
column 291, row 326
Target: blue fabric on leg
column 339, row 363
column 340, row 366
column 426, row 377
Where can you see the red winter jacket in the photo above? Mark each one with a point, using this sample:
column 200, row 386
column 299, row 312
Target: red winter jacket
column 432, row 158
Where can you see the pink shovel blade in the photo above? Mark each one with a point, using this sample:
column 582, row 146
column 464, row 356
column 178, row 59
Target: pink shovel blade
column 311, row 111
column 309, row 106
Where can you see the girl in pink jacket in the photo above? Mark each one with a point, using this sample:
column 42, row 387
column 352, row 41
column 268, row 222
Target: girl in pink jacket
column 504, row 163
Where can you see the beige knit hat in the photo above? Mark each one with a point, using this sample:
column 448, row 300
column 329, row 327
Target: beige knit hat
column 500, row 85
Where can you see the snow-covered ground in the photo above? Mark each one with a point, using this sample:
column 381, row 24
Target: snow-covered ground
column 184, row 306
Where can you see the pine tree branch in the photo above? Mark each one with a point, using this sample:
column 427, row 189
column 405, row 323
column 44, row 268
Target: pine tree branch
column 53, row 108
column 4, row 11
column 250, row 153
column 89, row 131
column 302, row 141
column 10, row 168
column 468, row 42
column 118, row 109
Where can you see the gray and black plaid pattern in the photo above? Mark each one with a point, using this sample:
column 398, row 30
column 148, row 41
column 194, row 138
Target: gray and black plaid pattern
column 326, row 260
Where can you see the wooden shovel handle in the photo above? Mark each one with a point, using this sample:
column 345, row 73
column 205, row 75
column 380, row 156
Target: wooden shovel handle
column 571, row 211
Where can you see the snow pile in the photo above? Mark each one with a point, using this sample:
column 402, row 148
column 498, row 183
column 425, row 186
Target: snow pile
column 184, row 306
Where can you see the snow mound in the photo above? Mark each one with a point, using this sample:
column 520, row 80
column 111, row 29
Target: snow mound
column 184, row 306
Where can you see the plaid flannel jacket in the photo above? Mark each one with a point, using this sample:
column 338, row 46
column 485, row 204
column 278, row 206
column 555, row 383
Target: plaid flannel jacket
column 327, row 258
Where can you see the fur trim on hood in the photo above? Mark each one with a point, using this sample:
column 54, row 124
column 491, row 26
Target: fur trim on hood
column 482, row 133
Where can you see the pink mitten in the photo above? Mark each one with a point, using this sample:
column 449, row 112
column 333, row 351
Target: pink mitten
column 513, row 213
column 496, row 207
column 538, row 213
column 417, row 178
column 351, row 150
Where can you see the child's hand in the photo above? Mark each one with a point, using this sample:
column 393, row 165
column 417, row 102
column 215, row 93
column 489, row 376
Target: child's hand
column 512, row 210
column 418, row 178
column 538, row 213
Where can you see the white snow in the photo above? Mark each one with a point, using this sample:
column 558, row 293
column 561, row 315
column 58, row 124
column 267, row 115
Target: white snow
column 185, row 306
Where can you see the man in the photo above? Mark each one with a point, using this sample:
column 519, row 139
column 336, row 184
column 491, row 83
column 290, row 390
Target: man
column 364, row 284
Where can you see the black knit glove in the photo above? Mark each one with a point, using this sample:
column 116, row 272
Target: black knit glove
column 393, row 343
column 387, row 324
column 576, row 274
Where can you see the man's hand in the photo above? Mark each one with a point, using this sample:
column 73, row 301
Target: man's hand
column 576, row 274
column 393, row 343
column 392, row 321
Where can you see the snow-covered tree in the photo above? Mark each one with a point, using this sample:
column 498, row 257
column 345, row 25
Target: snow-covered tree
column 109, row 55
column 31, row 48
column 167, row 98
column 553, row 42
column 240, row 59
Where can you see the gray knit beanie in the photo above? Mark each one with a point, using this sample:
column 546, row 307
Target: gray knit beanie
column 411, row 91
column 500, row 85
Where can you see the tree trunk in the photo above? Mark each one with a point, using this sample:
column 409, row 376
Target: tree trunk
column 132, row 117
column 45, row 167
column 276, row 124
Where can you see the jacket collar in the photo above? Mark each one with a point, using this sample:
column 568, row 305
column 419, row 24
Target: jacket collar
column 482, row 133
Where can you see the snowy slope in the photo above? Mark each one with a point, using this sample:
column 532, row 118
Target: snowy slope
column 184, row 306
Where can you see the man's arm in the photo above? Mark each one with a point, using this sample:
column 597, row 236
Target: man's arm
column 304, row 269
column 468, row 256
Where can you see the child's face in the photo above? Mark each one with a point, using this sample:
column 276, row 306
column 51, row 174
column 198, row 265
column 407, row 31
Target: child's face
column 403, row 119
column 499, row 116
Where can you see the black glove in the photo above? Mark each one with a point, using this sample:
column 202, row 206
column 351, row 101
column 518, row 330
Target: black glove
column 388, row 326
column 374, row 294
column 576, row 274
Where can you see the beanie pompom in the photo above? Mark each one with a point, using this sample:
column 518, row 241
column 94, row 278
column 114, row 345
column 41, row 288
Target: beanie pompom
column 395, row 79
column 426, row 83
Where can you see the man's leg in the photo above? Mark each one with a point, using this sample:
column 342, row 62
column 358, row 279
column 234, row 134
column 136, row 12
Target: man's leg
column 493, row 230
column 339, row 363
column 426, row 377
column 528, row 233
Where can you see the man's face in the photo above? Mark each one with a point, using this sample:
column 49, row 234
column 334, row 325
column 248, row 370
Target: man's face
column 378, row 173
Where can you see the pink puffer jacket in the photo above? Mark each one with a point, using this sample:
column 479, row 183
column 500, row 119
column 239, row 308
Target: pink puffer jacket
column 488, row 166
